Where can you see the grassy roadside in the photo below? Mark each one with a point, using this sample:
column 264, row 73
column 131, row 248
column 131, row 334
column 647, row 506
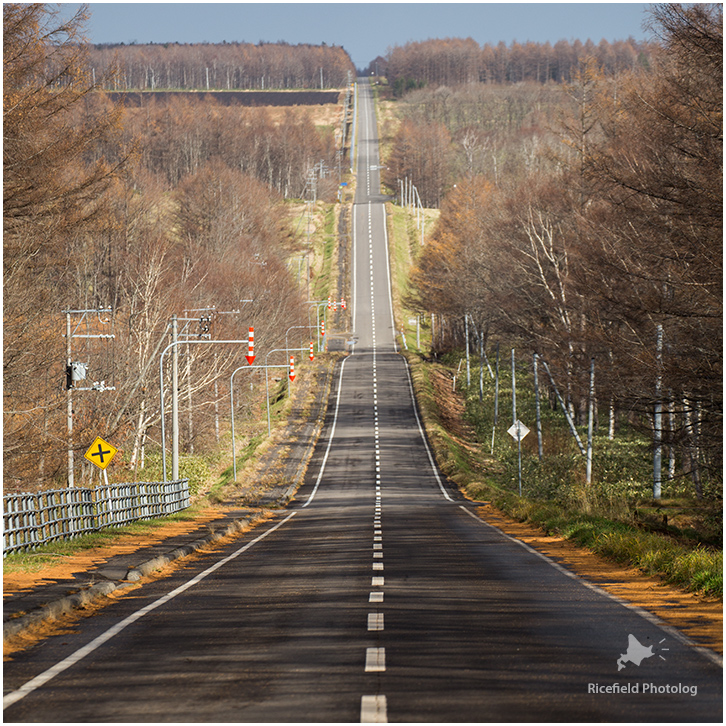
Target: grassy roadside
column 693, row 567
column 586, row 517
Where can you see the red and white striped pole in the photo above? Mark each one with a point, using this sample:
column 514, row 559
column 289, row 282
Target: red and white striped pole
column 322, row 327
column 342, row 304
column 312, row 355
column 292, row 367
column 251, row 347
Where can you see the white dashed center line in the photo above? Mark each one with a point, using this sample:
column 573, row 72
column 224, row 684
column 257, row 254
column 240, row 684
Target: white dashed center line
column 373, row 709
column 375, row 621
column 375, row 660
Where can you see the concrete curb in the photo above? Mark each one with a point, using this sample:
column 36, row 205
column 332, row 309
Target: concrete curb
column 61, row 606
column 57, row 608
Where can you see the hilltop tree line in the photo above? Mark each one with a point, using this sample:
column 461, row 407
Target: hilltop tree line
column 453, row 61
column 452, row 132
column 227, row 66
column 155, row 211
column 600, row 237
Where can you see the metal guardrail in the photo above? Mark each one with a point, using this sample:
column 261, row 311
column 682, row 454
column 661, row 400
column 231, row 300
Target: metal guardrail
column 31, row 520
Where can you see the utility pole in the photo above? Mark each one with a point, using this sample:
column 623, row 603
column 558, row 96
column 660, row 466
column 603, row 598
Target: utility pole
column 174, row 400
column 466, row 335
column 77, row 371
column 590, row 422
column 496, row 399
column 538, row 408
column 658, row 416
column 69, row 393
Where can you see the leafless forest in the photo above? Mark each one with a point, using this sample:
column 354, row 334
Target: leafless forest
column 226, row 66
column 454, row 61
column 580, row 189
column 167, row 208
column 584, row 220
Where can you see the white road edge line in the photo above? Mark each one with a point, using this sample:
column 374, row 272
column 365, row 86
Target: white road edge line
column 332, row 434
column 650, row 617
column 354, row 305
column 81, row 653
column 423, row 435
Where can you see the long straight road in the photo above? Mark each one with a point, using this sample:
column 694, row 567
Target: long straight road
column 377, row 596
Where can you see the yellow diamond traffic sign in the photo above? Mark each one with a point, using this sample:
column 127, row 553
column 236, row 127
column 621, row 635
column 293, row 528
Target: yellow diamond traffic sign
column 100, row 453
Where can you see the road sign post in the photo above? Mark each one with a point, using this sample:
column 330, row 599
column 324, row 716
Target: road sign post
column 518, row 431
column 100, row 453
column 77, row 371
column 516, row 428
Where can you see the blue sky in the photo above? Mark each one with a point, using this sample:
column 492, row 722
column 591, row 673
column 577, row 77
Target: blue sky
column 365, row 30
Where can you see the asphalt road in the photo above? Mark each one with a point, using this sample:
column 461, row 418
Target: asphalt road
column 377, row 595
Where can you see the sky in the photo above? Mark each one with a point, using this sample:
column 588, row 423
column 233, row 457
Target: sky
column 365, row 30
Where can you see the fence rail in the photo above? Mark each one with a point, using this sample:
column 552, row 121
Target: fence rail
column 31, row 520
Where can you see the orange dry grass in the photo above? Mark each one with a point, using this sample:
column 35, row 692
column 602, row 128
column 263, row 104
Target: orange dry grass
column 698, row 618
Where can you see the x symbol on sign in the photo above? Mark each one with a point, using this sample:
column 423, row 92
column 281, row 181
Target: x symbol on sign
column 100, row 452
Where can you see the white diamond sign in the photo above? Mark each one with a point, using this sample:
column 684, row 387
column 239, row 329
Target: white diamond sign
column 518, row 430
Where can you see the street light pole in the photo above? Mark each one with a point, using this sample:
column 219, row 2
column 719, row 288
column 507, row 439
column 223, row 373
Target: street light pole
column 69, row 392
column 231, row 404
column 174, row 401
column 317, row 304
column 174, row 344
column 294, row 327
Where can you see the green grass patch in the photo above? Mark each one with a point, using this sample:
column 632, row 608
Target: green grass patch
column 198, row 468
column 404, row 239
column 695, row 568
column 324, row 242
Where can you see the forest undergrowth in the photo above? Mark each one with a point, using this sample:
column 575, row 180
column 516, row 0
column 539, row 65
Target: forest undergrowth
column 676, row 538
